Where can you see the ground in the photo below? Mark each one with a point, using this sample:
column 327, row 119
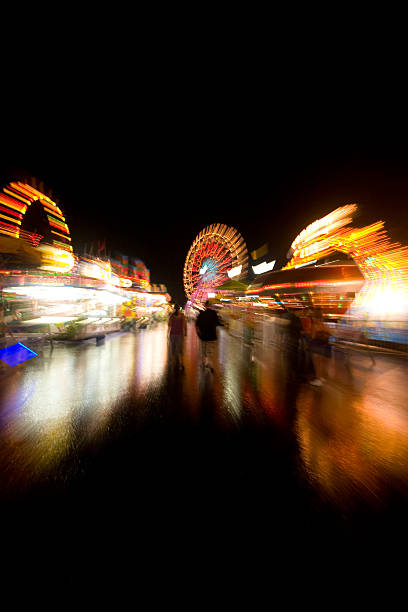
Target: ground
column 114, row 436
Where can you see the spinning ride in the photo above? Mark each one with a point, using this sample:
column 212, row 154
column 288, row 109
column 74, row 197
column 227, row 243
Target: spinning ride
column 15, row 200
column 218, row 252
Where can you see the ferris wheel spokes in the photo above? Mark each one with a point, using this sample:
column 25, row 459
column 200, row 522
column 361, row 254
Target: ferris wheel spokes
column 216, row 250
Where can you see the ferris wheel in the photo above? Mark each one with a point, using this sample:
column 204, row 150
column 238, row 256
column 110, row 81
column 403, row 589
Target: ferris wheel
column 218, row 252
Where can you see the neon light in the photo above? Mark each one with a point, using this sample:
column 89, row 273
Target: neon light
column 57, row 223
column 62, row 245
column 234, row 271
column 215, row 250
column 308, row 263
column 16, row 354
column 61, row 235
column 8, row 232
column 52, row 212
column 11, row 212
column 263, row 267
column 55, row 259
column 383, row 264
column 305, row 284
column 19, row 188
column 10, row 219
column 7, row 225
column 12, row 203
column 16, row 195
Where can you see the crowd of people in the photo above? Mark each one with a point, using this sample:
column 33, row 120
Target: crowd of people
column 306, row 341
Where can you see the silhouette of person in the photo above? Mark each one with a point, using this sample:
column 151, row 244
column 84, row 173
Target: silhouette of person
column 177, row 330
column 321, row 348
column 206, row 327
column 293, row 333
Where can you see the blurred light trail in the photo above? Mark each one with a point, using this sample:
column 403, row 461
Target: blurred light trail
column 234, row 271
column 263, row 267
column 383, row 264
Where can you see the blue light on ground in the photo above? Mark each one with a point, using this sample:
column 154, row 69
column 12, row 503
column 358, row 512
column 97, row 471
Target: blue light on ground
column 16, row 354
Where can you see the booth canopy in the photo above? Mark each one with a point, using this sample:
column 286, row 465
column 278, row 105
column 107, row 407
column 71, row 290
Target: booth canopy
column 232, row 285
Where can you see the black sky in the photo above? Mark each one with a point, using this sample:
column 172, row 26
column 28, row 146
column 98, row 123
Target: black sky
column 150, row 196
column 146, row 162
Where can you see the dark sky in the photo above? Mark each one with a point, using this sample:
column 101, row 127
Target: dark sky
column 148, row 129
column 148, row 178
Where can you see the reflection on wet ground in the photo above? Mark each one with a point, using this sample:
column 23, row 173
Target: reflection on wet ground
column 116, row 426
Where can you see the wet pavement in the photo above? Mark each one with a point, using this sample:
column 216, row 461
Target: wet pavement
column 114, row 435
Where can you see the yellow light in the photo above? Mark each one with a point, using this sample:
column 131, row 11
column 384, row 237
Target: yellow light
column 10, row 219
column 62, row 236
column 19, row 208
column 55, row 260
column 125, row 282
column 52, row 212
column 15, row 195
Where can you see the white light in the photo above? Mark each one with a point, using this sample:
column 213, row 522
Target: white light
column 63, row 294
column 263, row 267
column 308, row 263
column 203, row 269
column 54, row 259
column 125, row 282
column 49, row 320
column 234, row 271
column 211, row 295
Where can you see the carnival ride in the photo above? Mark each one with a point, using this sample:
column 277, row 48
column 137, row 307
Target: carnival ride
column 356, row 276
column 218, row 252
column 49, row 285
column 383, row 264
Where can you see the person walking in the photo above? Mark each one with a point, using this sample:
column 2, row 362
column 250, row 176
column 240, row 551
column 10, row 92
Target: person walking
column 206, row 327
column 321, row 349
column 177, row 329
column 306, row 318
column 293, row 335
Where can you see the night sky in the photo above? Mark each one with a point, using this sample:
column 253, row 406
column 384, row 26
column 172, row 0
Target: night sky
column 149, row 182
column 148, row 130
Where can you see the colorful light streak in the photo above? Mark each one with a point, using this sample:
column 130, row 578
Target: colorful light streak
column 383, row 264
column 55, row 259
column 16, row 198
column 263, row 267
column 234, row 271
column 303, row 284
column 217, row 250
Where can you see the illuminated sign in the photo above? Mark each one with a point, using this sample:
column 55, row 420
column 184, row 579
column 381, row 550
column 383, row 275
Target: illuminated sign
column 263, row 267
column 234, row 271
column 125, row 282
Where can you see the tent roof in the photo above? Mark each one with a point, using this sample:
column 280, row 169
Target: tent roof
column 232, row 285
